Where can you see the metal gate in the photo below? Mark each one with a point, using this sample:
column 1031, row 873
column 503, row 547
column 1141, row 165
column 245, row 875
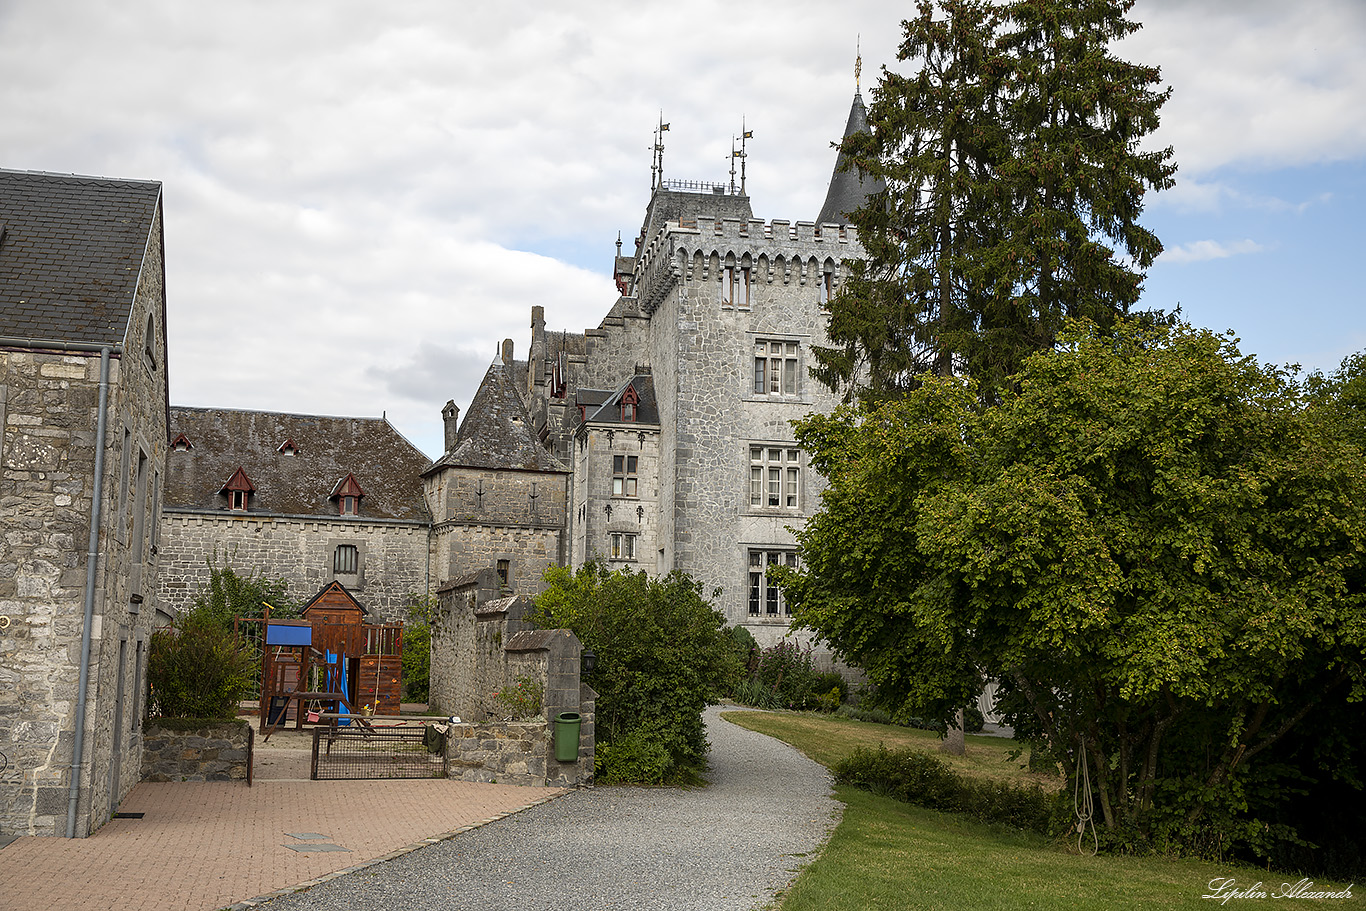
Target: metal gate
column 367, row 750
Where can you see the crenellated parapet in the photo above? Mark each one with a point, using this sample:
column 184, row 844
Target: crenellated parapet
column 777, row 251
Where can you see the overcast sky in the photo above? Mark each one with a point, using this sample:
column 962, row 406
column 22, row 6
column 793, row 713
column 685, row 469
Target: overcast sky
column 361, row 199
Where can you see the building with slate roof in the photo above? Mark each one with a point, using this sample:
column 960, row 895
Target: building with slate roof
column 304, row 498
column 498, row 495
column 83, row 410
column 674, row 412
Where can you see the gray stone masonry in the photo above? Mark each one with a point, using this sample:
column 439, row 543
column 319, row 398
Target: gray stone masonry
column 215, row 752
column 486, row 515
column 47, row 456
column 391, row 565
column 481, row 643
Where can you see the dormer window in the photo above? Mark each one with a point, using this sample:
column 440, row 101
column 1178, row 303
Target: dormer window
column 238, row 490
column 629, row 401
column 182, row 444
column 347, row 493
column 288, row 448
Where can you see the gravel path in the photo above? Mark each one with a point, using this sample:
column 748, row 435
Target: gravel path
column 731, row 845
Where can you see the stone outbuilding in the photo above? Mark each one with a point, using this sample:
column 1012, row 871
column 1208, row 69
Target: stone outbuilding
column 83, row 409
column 498, row 497
column 304, row 498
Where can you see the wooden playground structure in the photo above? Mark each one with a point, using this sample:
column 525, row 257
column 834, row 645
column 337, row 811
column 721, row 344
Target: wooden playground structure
column 331, row 662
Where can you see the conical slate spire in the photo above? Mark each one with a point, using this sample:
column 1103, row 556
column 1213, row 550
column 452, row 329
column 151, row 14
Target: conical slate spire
column 849, row 189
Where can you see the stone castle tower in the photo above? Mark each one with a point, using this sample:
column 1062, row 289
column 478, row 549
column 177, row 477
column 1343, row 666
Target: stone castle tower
column 673, row 415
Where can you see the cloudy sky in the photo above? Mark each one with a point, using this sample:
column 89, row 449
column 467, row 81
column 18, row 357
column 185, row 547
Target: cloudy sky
column 361, row 199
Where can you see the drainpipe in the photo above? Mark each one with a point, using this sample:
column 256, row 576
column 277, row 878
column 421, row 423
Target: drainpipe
column 91, row 561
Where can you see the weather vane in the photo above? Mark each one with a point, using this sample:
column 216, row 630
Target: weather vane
column 858, row 62
column 657, row 154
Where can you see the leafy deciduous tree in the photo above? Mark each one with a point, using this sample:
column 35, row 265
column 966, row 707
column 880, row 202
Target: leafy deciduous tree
column 1151, row 542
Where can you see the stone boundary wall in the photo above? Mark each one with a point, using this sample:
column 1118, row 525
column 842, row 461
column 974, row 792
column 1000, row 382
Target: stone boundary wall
column 215, row 752
column 518, row 753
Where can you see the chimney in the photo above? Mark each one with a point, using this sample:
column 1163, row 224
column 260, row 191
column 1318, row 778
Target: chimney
column 507, row 352
column 451, row 416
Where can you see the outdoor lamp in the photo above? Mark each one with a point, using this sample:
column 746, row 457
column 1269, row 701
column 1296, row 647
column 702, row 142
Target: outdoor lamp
column 587, row 661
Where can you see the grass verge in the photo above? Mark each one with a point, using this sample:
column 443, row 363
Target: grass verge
column 888, row 854
column 829, row 738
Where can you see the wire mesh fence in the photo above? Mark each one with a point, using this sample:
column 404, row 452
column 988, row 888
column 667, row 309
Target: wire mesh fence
column 375, row 751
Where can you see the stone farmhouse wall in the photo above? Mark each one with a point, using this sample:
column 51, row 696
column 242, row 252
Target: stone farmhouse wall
column 392, row 563
column 48, row 413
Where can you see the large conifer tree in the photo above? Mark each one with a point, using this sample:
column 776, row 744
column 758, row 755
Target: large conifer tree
column 1014, row 185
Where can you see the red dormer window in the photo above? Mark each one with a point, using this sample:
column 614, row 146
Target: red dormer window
column 629, row 401
column 347, row 493
column 239, row 490
column 288, row 447
column 182, row 444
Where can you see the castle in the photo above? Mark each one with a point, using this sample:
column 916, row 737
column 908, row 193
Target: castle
column 659, row 441
column 670, row 423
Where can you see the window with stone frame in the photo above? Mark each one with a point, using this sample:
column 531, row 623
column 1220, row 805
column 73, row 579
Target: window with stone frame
column 765, row 597
column 775, row 477
column 777, row 367
column 734, row 286
column 624, row 475
column 346, row 560
column 623, row 546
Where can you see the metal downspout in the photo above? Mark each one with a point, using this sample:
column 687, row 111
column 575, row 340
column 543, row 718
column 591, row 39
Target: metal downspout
column 91, row 565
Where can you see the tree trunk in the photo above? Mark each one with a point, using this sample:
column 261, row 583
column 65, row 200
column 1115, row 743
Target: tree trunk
column 953, row 737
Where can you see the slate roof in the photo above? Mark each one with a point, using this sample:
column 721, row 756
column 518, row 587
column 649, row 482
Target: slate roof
column 70, row 255
column 385, row 464
column 849, row 189
column 647, row 406
column 496, row 431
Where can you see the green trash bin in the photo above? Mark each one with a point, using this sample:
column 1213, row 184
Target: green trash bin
column 567, row 736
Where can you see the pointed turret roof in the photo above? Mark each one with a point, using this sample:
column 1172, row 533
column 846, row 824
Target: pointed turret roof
column 849, row 188
column 496, row 431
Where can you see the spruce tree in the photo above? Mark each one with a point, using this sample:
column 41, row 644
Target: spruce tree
column 1014, row 186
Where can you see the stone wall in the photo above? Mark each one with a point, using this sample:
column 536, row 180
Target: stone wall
column 517, row 753
column 215, row 752
column 47, row 456
column 598, row 512
column 392, row 556
column 486, row 515
column 480, row 644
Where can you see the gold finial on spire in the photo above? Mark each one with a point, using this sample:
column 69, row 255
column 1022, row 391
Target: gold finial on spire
column 858, row 62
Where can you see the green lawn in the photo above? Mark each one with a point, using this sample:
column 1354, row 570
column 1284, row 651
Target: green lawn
column 887, row 854
column 829, row 738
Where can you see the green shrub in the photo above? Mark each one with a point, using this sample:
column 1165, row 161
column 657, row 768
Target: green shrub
column 198, row 668
column 973, row 720
column 638, row 756
column 832, row 680
column 519, row 701
column 925, row 780
column 754, row 693
column 417, row 648
column 828, row 702
column 663, row 655
column 417, row 662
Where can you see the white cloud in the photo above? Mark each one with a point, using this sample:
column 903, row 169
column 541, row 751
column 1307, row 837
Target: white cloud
column 1257, row 83
column 1201, row 250
column 360, row 198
